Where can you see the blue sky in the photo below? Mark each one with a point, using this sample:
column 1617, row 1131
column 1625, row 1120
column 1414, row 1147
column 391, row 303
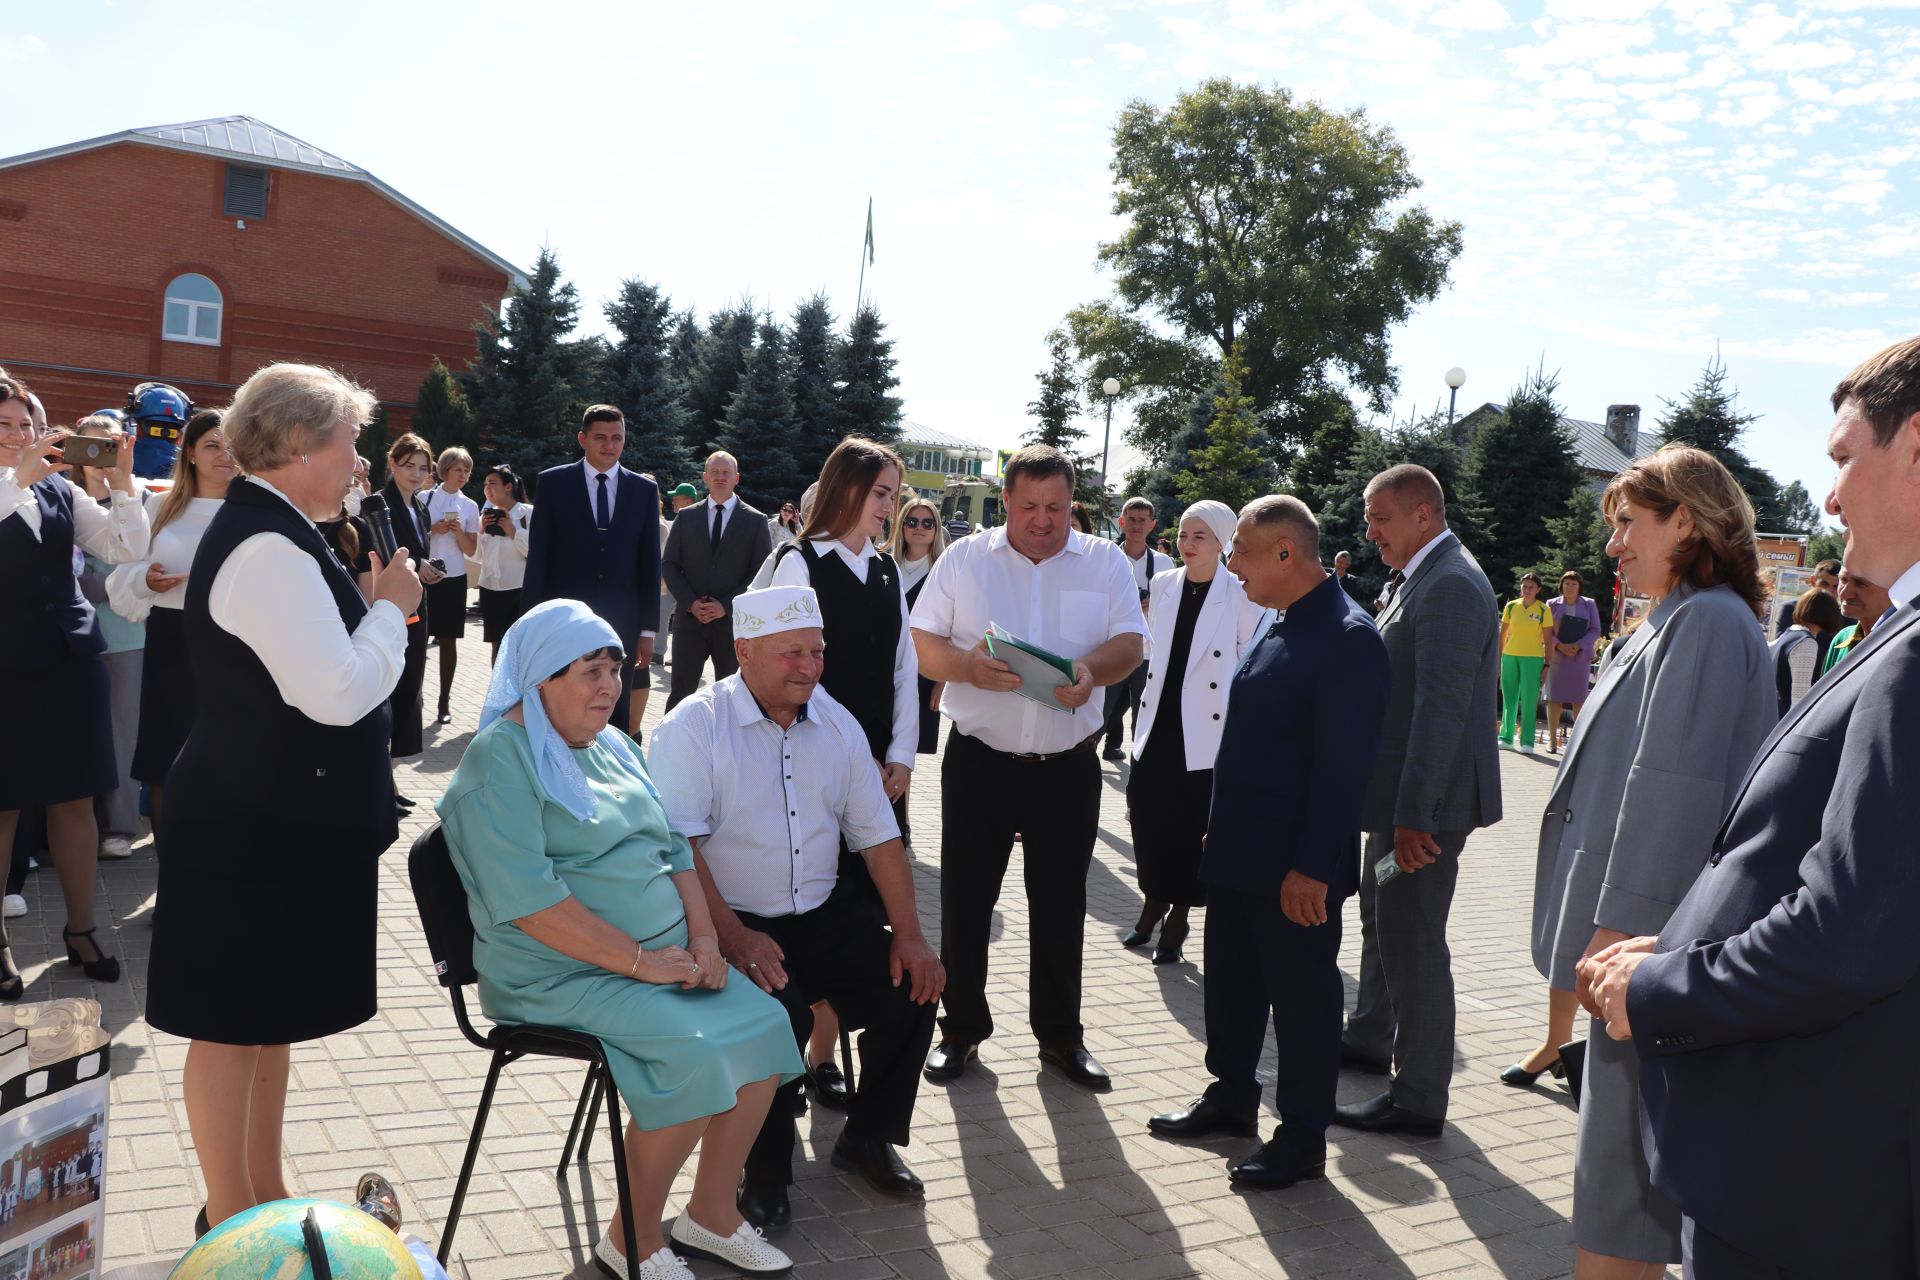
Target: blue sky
column 1639, row 181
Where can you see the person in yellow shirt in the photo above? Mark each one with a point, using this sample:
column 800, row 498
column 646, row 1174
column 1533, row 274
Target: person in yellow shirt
column 1525, row 625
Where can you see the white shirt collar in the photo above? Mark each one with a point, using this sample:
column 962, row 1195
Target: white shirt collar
column 726, row 506
column 1076, row 544
column 1905, row 587
column 746, row 707
column 1420, row 556
column 612, row 472
column 866, row 553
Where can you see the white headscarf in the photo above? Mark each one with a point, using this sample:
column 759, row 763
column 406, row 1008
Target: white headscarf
column 546, row 639
column 1217, row 516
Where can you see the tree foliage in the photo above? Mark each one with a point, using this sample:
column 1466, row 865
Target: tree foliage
column 1335, row 431
column 810, row 348
column 759, row 427
column 1056, row 421
column 718, row 363
column 1228, row 467
column 864, row 378
column 640, row 382
column 1707, row 418
column 1577, row 540
column 1264, row 221
column 442, row 418
column 1522, row 465
column 1342, row 512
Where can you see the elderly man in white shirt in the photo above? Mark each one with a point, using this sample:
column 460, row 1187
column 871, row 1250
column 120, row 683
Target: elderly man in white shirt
column 1033, row 765
column 771, row 872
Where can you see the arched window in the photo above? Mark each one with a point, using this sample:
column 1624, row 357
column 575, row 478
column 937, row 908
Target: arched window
column 193, row 311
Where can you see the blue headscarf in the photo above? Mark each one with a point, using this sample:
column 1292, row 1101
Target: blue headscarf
column 548, row 638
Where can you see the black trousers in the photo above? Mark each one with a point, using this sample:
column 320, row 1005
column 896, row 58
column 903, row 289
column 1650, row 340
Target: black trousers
column 1260, row 963
column 985, row 797
column 839, row 952
column 404, row 701
column 1122, row 698
column 693, row 643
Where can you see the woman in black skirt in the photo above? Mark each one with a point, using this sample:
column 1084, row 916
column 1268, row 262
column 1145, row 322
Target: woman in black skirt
column 201, row 474
column 1202, row 622
column 409, row 469
column 870, row 667
column 57, row 750
column 915, row 543
column 453, row 522
column 504, row 525
column 281, row 801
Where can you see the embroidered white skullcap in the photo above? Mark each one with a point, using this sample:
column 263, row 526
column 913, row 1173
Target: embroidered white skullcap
column 771, row 610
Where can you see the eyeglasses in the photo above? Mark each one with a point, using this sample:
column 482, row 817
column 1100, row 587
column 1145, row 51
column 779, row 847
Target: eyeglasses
column 920, row 522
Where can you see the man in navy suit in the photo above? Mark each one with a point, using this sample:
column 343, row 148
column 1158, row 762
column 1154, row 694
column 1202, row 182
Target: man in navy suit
column 596, row 539
column 1283, row 846
column 1778, row 1014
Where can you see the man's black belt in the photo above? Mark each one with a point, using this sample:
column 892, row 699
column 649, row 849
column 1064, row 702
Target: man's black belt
column 1037, row 757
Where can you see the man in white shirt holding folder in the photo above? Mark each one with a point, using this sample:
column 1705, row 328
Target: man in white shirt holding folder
column 1014, row 765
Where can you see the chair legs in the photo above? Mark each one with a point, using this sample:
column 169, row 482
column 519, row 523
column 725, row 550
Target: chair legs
column 589, row 1088
column 619, row 1168
column 500, row 1059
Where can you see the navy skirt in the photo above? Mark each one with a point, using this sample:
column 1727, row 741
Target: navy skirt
column 166, row 696
column 447, row 608
column 68, row 753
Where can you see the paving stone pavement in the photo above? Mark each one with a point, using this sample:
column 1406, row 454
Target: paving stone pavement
column 1027, row 1176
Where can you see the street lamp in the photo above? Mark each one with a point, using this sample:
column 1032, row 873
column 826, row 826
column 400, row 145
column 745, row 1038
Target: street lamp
column 1109, row 388
column 1456, row 378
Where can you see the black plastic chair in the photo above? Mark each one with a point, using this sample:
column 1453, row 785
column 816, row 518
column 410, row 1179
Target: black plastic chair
column 442, row 902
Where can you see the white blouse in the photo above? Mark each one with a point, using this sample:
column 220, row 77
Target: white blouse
column 114, row 534
column 503, row 560
column 445, row 547
column 271, row 595
column 172, row 548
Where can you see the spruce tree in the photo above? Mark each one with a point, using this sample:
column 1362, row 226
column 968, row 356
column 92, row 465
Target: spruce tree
column 1707, row 418
column 1578, row 541
column 1798, row 512
column 718, row 364
column 1522, row 465
column 759, row 427
column 531, row 379
column 810, row 361
column 1329, row 445
column 1342, row 511
column 1056, row 422
column 640, row 382
column 442, row 418
column 865, row 380
column 1229, row 467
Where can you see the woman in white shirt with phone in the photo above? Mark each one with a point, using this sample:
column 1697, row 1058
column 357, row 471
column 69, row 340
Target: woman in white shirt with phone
column 504, row 523
column 454, row 526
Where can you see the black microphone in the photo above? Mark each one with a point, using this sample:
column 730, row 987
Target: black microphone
column 373, row 509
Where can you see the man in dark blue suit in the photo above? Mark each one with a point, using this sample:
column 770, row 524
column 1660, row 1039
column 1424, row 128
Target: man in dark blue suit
column 1283, row 846
column 596, row 539
column 1778, row 1014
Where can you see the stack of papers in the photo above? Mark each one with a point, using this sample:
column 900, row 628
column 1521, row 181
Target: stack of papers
column 1040, row 672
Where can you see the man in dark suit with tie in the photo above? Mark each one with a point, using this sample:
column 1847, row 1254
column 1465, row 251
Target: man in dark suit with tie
column 1436, row 780
column 1778, row 1014
column 1283, row 846
column 595, row 538
column 713, row 550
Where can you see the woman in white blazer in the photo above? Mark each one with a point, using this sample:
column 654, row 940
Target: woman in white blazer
column 1201, row 623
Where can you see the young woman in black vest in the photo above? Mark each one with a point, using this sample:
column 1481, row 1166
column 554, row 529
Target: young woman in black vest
column 58, row 752
column 409, row 470
column 870, row 667
column 281, row 801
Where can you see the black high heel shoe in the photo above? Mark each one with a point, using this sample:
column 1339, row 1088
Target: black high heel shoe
column 1173, row 936
column 1573, row 1056
column 12, row 985
column 103, row 968
column 1142, row 933
column 1520, row 1078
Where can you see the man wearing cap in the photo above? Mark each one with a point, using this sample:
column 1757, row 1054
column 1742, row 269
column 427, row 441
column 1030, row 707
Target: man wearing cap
column 1014, row 764
column 766, row 775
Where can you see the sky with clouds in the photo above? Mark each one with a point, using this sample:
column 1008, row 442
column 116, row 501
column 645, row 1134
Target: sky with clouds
column 1640, row 181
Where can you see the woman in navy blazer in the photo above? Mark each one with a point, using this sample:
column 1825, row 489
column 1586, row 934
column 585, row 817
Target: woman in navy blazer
column 1201, row 622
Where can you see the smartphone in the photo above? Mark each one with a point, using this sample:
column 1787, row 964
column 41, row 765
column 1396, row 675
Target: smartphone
column 90, row 451
column 1387, row 870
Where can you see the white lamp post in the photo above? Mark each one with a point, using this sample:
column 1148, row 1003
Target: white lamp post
column 1456, row 378
column 1109, row 388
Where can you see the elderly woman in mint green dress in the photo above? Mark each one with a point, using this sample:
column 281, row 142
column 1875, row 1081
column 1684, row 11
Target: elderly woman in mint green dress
column 588, row 915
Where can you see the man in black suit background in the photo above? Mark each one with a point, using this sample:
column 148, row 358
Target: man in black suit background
column 595, row 538
column 1778, row 1013
column 712, row 553
column 1283, row 846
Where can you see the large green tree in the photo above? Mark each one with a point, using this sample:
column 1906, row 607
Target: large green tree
column 531, row 378
column 1798, row 512
column 1577, row 540
column 810, row 358
column 717, row 365
column 1522, row 465
column 864, row 378
column 442, row 417
column 1056, row 421
column 1335, row 431
column 1707, row 418
column 641, row 383
column 1257, row 219
column 1228, row 467
column 1342, row 511
column 759, row 427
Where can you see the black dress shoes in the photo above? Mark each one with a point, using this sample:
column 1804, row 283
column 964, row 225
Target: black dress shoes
column 1355, row 1060
column 877, row 1162
column 1078, row 1066
column 1204, row 1117
column 827, row 1085
column 1380, row 1115
column 1519, row 1077
column 405, row 802
column 1173, row 936
column 1573, row 1057
column 1278, row 1164
column 948, row 1059
column 765, row 1207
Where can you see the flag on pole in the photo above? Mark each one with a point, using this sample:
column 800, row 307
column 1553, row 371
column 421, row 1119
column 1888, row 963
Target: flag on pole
column 869, row 245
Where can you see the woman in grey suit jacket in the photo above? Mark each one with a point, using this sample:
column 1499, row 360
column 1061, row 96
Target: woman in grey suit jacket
column 1683, row 704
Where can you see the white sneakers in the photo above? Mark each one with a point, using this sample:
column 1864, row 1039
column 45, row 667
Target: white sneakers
column 13, row 906
column 116, row 847
column 745, row 1250
column 661, row 1266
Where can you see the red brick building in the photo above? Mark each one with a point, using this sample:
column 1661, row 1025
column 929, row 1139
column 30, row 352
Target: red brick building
column 195, row 253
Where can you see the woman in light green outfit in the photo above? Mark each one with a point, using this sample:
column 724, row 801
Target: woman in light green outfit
column 1525, row 625
column 588, row 915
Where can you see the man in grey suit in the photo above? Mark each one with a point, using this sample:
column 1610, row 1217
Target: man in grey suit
column 1436, row 779
column 711, row 554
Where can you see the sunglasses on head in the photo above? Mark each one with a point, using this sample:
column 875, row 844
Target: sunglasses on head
column 920, row 522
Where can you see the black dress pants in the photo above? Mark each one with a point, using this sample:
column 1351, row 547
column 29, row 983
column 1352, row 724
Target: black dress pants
column 1260, row 963
column 693, row 643
column 985, row 797
column 839, row 952
column 404, row 701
